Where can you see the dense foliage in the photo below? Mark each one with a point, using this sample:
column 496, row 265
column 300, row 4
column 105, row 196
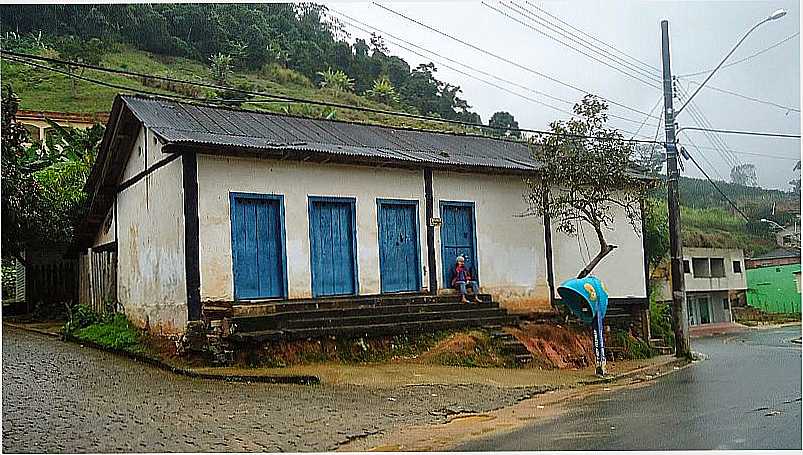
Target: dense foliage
column 42, row 183
column 301, row 37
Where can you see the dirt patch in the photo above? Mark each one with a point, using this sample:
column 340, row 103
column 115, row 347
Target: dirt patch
column 471, row 348
column 556, row 345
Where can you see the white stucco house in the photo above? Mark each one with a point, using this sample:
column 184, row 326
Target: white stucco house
column 212, row 207
column 714, row 278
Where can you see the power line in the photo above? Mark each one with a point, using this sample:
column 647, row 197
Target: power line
column 395, row 40
column 749, row 98
column 610, row 46
column 590, row 46
column 733, row 204
column 504, row 59
column 747, row 133
column 275, row 98
column 743, row 59
column 713, row 139
column 647, row 117
column 706, row 160
column 579, row 40
column 118, row 86
column 762, row 155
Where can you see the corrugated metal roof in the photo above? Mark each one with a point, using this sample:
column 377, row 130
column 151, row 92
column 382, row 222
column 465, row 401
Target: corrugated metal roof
column 195, row 124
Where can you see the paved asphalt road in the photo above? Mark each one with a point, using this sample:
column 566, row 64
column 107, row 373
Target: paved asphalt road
column 722, row 402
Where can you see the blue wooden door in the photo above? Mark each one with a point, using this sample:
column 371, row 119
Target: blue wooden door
column 332, row 246
column 457, row 238
column 398, row 246
column 257, row 246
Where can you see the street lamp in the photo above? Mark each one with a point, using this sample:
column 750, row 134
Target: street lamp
column 764, row 220
column 776, row 15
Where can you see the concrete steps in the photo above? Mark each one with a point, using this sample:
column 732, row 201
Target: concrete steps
column 659, row 345
column 359, row 316
column 393, row 328
column 512, row 345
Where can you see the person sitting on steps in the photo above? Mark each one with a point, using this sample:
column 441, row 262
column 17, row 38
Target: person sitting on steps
column 461, row 277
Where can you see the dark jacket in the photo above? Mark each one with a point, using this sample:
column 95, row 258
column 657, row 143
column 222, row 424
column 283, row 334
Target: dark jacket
column 460, row 273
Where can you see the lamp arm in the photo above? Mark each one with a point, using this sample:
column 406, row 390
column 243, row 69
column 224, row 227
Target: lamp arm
column 688, row 100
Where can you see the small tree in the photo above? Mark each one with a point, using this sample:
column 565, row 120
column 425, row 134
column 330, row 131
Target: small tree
column 586, row 173
column 220, row 67
column 744, row 174
column 336, row 80
column 504, row 124
column 383, row 91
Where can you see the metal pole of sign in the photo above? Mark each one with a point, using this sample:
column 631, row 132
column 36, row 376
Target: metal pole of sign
column 599, row 345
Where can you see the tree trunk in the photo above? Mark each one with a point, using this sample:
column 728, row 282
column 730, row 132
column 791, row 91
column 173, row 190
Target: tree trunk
column 604, row 250
column 590, row 267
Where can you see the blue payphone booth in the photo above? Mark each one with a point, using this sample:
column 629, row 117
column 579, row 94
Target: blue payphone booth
column 587, row 298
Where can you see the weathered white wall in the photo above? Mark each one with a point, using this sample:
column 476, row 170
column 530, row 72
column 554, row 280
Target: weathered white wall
column 151, row 276
column 218, row 176
column 731, row 281
column 510, row 253
column 106, row 233
column 622, row 271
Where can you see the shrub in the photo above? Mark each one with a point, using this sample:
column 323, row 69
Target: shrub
column 80, row 316
column 284, row 76
column 632, row 347
column 661, row 320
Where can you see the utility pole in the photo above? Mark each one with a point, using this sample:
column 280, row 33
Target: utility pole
column 680, row 322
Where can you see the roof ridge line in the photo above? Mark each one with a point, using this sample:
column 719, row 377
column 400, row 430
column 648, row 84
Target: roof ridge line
column 348, row 122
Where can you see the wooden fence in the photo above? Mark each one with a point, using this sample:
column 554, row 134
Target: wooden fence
column 97, row 283
column 50, row 283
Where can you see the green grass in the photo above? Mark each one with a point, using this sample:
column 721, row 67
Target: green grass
column 40, row 89
column 112, row 333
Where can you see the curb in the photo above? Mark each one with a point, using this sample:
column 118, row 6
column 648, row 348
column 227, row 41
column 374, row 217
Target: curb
column 289, row 379
column 162, row 365
column 673, row 363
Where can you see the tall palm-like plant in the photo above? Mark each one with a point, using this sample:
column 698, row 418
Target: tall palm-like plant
column 336, row 80
column 383, row 91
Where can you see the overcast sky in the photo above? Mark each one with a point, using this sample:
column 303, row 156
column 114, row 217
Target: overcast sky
column 701, row 33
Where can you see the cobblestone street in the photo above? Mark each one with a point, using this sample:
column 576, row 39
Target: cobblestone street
column 60, row 397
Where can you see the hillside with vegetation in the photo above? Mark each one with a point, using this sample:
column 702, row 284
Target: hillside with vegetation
column 296, row 50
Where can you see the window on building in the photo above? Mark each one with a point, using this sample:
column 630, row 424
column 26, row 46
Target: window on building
column 725, row 304
column 717, row 268
column 701, row 267
column 737, row 267
column 686, row 266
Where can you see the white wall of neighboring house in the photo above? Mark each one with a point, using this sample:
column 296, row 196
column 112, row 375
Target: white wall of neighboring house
column 730, row 281
column 789, row 236
column 718, row 307
column 622, row 270
column 151, row 280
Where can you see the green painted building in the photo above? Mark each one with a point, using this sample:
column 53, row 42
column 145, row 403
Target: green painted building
column 774, row 289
